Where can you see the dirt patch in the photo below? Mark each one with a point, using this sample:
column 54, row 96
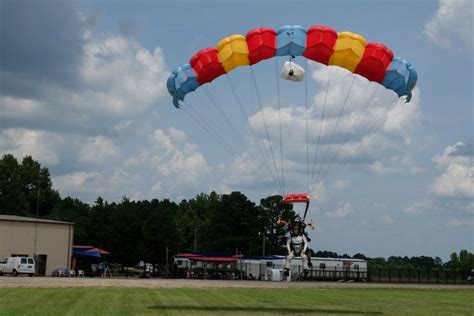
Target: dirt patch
column 50, row 282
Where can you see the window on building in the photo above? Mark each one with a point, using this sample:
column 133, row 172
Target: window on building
column 356, row 267
column 322, row 266
column 269, row 264
column 180, row 262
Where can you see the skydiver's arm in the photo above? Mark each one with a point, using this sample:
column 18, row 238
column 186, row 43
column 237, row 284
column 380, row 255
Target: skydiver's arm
column 305, row 243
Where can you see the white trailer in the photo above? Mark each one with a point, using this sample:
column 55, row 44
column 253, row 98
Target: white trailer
column 323, row 268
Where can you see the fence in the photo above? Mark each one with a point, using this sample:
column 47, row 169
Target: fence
column 419, row 276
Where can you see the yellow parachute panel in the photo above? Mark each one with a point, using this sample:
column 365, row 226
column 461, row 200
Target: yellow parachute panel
column 348, row 50
column 233, row 52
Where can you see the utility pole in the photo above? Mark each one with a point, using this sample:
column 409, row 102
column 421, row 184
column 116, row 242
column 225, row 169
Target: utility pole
column 195, row 238
column 36, row 223
column 263, row 244
column 167, row 272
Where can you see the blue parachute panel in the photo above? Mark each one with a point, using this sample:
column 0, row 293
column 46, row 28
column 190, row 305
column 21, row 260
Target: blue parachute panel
column 291, row 40
column 400, row 77
column 182, row 81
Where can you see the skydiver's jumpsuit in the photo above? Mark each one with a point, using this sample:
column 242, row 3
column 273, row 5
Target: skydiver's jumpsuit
column 297, row 245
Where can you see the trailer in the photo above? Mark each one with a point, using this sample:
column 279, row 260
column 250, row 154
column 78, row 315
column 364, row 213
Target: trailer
column 268, row 267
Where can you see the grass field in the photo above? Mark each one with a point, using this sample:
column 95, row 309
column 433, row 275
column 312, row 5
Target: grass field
column 186, row 301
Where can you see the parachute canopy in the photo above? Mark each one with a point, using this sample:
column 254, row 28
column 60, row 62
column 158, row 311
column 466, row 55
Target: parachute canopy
column 322, row 44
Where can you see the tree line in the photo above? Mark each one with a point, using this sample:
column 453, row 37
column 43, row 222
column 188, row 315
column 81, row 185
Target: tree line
column 151, row 230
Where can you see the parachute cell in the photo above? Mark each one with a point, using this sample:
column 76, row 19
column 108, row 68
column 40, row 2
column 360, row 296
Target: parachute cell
column 261, row 43
column 207, row 65
column 233, row 52
column 348, row 50
column 181, row 82
column 375, row 61
column 320, row 41
column 291, row 40
column 400, row 77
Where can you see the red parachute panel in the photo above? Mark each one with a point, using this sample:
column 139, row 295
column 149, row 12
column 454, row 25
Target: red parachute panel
column 261, row 43
column 207, row 65
column 320, row 41
column 375, row 61
column 296, row 198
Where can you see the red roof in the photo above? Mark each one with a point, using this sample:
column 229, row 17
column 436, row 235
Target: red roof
column 98, row 250
column 188, row 255
column 213, row 259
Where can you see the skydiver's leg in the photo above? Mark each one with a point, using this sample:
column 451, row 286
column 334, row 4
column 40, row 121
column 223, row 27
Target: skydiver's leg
column 288, row 260
column 304, row 257
column 308, row 254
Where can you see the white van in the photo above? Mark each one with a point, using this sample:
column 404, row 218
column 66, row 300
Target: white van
column 18, row 265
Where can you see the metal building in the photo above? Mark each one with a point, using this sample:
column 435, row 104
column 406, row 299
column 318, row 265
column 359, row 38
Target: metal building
column 49, row 242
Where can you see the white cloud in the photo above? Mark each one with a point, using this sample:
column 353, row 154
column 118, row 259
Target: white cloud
column 117, row 80
column 395, row 164
column 461, row 223
column 421, row 206
column 342, row 211
column 457, row 179
column 98, row 150
column 387, row 219
column 42, row 146
column 341, row 184
column 452, row 22
column 161, row 168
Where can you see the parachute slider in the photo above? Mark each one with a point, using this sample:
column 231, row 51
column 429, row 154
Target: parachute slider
column 296, row 198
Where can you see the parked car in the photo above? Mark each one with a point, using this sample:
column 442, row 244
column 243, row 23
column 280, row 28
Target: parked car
column 60, row 272
column 470, row 277
column 18, row 265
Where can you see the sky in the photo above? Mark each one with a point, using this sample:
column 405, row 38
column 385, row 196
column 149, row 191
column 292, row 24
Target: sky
column 83, row 91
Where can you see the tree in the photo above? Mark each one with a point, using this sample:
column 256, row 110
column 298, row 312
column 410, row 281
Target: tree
column 12, row 196
column 77, row 212
column 235, row 224
column 272, row 208
column 25, row 188
column 454, row 262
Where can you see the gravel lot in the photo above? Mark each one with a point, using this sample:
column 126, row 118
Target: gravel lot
column 50, row 282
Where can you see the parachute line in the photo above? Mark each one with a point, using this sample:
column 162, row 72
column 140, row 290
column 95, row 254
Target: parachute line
column 335, row 128
column 227, row 123
column 246, row 117
column 328, row 84
column 279, row 124
column 355, row 128
column 254, row 80
column 306, row 118
column 373, row 128
column 196, row 116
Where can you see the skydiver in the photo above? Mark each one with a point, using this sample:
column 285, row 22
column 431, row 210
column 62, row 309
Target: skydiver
column 302, row 225
column 296, row 245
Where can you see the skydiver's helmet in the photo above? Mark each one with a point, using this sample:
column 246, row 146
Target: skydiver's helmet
column 296, row 228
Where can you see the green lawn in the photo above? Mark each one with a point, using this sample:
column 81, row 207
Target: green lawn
column 113, row 301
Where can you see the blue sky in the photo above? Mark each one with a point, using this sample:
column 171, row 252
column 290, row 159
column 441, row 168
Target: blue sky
column 83, row 91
